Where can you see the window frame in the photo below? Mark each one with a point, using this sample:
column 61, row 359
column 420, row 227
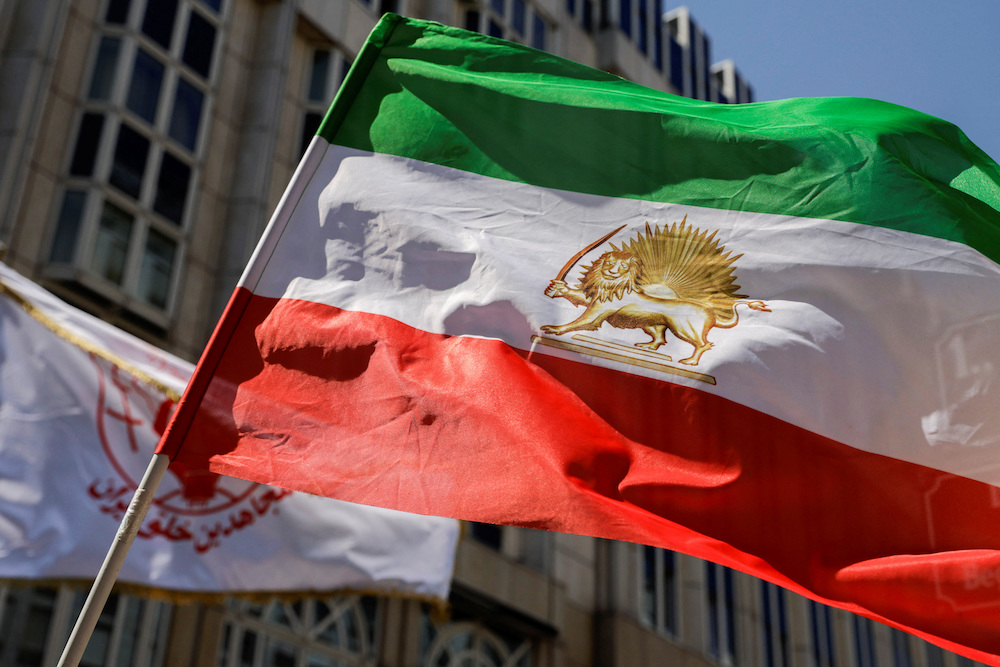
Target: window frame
column 488, row 21
column 775, row 625
column 146, row 640
column 261, row 622
column 661, row 587
column 142, row 289
column 722, row 642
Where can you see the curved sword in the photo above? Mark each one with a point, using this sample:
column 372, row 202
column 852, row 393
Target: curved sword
column 578, row 256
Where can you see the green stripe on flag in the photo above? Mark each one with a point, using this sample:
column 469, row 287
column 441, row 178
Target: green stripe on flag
column 464, row 100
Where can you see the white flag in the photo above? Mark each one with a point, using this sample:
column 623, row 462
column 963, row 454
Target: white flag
column 81, row 408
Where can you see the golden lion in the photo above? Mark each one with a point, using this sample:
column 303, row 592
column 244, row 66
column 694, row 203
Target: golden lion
column 622, row 289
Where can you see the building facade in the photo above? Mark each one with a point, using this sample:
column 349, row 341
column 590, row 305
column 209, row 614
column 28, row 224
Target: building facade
column 143, row 146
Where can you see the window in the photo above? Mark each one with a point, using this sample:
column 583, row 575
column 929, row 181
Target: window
column 465, row 643
column 639, row 20
column 308, row 633
column 327, row 71
column 901, row 655
column 821, row 634
column 704, row 66
column 130, row 631
column 625, row 17
column 720, row 592
column 582, row 11
column 659, row 589
column 515, row 20
column 539, row 30
column 487, row 534
column 676, row 53
column 536, row 548
column 696, row 66
column 775, row 621
column 25, row 624
column 933, row 655
column 642, row 31
column 132, row 170
column 528, row 546
column 864, row 642
column 658, row 43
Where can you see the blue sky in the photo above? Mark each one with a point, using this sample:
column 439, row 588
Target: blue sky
column 942, row 58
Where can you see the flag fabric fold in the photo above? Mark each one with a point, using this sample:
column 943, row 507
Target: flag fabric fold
column 82, row 405
column 505, row 287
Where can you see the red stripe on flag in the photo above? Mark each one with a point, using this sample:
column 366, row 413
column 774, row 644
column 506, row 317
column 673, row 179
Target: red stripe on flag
column 367, row 409
column 191, row 401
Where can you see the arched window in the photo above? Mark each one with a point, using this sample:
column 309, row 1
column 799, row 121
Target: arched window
column 470, row 644
column 306, row 633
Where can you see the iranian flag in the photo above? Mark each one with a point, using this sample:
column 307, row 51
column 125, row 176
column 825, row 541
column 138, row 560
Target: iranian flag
column 507, row 288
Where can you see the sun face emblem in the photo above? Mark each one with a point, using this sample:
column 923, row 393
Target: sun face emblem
column 677, row 279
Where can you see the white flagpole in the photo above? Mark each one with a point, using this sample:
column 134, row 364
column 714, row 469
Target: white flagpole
column 108, row 574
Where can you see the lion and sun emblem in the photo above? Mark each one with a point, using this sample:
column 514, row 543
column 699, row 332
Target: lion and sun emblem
column 675, row 279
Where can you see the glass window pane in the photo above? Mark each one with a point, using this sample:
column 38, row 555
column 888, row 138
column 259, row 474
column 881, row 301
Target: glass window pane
column 495, row 29
column 345, row 67
column 279, row 654
column 669, row 592
column 117, row 11
column 472, row 20
column 519, row 18
column 158, row 22
column 488, row 534
column 279, row 613
column 625, row 16
column 87, row 142
column 96, row 652
column 934, row 655
column 172, row 188
column 648, row 606
column 186, row 117
column 144, row 90
column 161, row 614
column 129, row 163
column 103, row 78
column 111, row 248
column 157, row 268
column 212, row 4
column 199, row 44
column 319, row 75
column 658, row 44
column 642, row 37
column 497, row 6
column 538, row 32
column 248, row 648
column 132, row 612
column 33, row 607
column 68, row 227
column 318, row 660
column 309, row 127
column 492, row 653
